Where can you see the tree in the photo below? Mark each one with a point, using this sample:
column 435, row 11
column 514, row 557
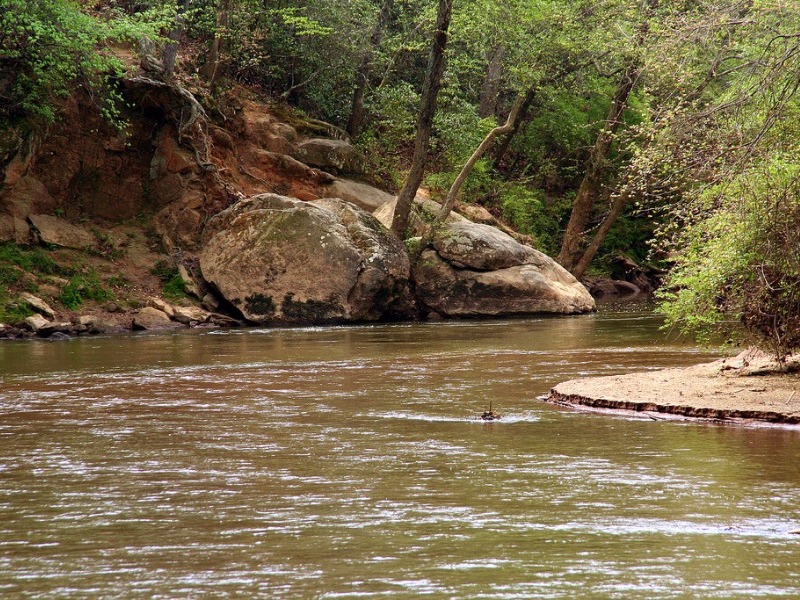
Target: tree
column 424, row 119
column 356, row 120
column 734, row 234
column 596, row 167
column 455, row 188
column 596, row 170
column 212, row 69
column 48, row 47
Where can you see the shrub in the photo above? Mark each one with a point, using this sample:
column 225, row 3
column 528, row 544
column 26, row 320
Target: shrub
column 83, row 287
column 174, row 288
column 739, row 273
column 35, row 260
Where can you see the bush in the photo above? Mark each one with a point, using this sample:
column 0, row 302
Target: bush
column 34, row 260
column 174, row 288
column 49, row 47
column 739, row 273
column 528, row 211
column 83, row 287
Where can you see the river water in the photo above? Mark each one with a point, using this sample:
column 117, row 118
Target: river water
column 347, row 462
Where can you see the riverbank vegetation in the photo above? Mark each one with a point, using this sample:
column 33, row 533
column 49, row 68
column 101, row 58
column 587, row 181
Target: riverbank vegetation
column 664, row 131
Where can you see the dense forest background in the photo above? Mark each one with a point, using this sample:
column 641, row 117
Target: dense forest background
column 666, row 131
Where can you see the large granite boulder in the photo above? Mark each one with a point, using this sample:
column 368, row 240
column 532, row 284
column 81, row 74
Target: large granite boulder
column 477, row 270
column 330, row 154
column 58, row 232
column 361, row 194
column 281, row 260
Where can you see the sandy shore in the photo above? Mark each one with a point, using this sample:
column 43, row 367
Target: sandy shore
column 744, row 390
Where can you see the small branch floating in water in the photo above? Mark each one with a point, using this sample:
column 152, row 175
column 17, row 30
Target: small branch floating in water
column 490, row 415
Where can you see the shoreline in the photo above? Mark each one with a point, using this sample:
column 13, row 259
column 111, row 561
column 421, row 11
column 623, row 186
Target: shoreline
column 743, row 390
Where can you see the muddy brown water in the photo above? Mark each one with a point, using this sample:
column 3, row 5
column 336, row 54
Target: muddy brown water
column 348, row 462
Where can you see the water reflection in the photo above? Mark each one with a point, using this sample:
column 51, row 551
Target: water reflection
column 343, row 462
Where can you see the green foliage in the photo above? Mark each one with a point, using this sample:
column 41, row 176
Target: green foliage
column 47, row 47
column 84, row 286
column 9, row 275
column 304, row 51
column 164, row 270
column 35, row 260
column 739, row 272
column 18, row 269
column 12, row 312
column 119, row 282
column 528, row 211
column 174, row 288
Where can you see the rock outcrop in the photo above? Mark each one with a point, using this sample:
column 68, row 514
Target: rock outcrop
column 150, row 318
column 330, row 154
column 38, row 305
column 527, row 288
column 314, row 257
column 361, row 194
column 281, row 260
column 58, row 232
column 476, row 270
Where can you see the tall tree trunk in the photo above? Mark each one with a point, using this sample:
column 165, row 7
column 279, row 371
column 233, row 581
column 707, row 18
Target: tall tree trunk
column 170, row 54
column 490, row 89
column 427, row 109
column 356, row 120
column 211, row 70
column 455, row 188
column 589, row 190
column 617, row 206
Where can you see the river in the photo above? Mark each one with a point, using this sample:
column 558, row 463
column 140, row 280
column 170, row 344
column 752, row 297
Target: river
column 347, row 462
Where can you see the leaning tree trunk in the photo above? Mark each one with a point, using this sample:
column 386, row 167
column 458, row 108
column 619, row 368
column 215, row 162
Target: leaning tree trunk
column 427, row 109
column 452, row 194
column 356, row 120
column 589, row 190
column 502, row 148
column 617, row 206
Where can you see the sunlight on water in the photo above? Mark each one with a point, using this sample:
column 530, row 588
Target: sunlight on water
column 352, row 463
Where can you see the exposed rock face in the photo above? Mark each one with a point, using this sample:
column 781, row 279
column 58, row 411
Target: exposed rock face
column 26, row 195
column 190, row 314
column 59, row 232
column 96, row 324
column 600, row 287
column 477, row 270
column 280, row 260
column 38, row 305
column 337, row 155
column 150, row 318
column 362, row 195
column 13, row 229
column 35, row 322
column 475, row 246
column 424, row 210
